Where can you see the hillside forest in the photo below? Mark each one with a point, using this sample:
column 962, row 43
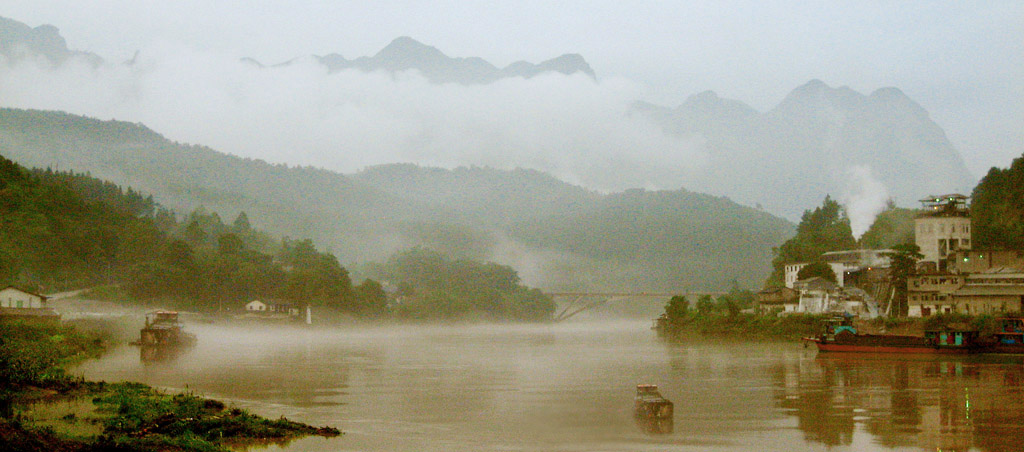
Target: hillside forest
column 62, row 230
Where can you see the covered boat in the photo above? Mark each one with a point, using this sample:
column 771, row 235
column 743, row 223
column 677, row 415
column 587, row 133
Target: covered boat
column 653, row 412
column 163, row 329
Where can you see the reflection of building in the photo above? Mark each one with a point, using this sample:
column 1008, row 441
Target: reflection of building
column 944, row 404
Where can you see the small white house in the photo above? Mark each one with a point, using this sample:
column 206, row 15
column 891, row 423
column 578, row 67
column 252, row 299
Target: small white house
column 256, row 306
column 268, row 307
column 15, row 298
column 15, row 302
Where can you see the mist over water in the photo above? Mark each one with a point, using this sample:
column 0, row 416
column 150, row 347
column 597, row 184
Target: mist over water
column 569, row 387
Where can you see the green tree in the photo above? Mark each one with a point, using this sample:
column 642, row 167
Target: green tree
column 241, row 224
column 824, row 229
column 705, row 305
column 817, row 268
column 903, row 264
column 677, row 308
column 997, row 208
column 194, row 233
column 370, row 299
column 230, row 244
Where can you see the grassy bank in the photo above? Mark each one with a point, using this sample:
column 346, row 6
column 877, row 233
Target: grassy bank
column 758, row 327
column 101, row 416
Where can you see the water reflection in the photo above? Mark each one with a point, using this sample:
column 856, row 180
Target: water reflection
column 571, row 387
column 948, row 404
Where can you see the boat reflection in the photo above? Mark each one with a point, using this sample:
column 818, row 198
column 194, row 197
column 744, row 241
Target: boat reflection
column 150, row 354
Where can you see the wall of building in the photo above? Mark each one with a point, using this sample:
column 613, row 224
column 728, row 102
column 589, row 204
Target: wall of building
column 14, row 298
column 938, row 236
column 791, row 272
column 976, row 261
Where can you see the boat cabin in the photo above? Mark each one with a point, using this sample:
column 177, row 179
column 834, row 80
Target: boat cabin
column 1012, row 331
column 952, row 338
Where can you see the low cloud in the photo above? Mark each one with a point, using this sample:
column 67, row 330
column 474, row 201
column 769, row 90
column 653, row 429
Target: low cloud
column 571, row 126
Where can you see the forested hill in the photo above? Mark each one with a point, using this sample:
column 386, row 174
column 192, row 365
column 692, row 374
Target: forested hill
column 62, row 230
column 555, row 234
column 291, row 201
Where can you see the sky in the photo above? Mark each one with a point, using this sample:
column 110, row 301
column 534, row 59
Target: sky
column 962, row 61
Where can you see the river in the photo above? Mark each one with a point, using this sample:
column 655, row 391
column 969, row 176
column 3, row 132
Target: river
column 570, row 386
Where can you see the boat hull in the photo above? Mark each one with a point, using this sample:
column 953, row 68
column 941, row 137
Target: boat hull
column 877, row 348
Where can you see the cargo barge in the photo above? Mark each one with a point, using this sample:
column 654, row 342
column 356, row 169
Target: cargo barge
column 840, row 335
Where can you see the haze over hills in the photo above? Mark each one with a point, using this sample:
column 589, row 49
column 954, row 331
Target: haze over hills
column 861, row 149
column 557, row 235
column 818, row 140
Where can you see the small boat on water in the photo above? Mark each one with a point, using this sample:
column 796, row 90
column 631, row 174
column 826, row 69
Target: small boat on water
column 652, row 411
column 839, row 335
column 163, row 329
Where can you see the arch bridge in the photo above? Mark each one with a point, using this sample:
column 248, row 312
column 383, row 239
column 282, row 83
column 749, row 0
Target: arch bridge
column 577, row 302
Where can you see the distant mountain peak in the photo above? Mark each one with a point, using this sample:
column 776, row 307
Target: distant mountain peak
column 405, row 53
column 404, row 47
column 703, row 98
column 708, row 103
column 18, row 41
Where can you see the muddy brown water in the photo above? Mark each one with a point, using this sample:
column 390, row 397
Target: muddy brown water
column 570, row 386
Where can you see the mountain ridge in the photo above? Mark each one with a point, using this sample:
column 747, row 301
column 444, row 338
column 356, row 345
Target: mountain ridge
column 790, row 156
column 404, row 53
column 478, row 213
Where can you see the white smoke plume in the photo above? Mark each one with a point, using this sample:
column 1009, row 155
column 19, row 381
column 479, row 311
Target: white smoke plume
column 864, row 199
column 571, row 126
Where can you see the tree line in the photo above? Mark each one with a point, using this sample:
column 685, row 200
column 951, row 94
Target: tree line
column 62, row 230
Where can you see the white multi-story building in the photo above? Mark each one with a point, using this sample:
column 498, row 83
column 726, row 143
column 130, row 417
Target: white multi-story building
column 943, row 229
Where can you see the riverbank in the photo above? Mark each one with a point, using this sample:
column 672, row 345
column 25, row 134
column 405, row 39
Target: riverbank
column 45, row 409
column 757, row 327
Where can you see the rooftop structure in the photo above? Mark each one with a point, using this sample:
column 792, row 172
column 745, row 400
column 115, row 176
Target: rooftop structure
column 953, row 204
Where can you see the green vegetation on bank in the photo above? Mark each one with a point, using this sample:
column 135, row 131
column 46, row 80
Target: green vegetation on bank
column 725, row 318
column 719, row 319
column 433, row 286
column 126, row 416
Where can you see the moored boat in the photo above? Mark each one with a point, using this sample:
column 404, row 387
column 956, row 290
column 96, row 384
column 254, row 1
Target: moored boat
column 840, row 335
column 1008, row 340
